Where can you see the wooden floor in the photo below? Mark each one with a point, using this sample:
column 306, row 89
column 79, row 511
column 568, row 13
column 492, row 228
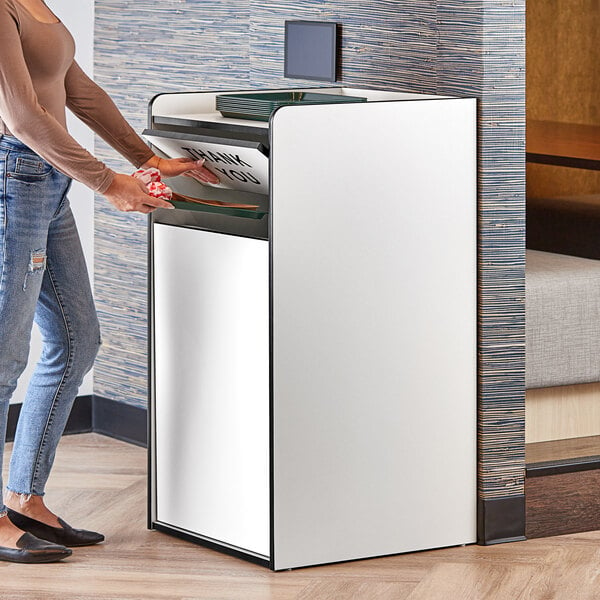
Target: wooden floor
column 99, row 483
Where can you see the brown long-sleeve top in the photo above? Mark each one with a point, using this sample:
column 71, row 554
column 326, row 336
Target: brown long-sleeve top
column 38, row 79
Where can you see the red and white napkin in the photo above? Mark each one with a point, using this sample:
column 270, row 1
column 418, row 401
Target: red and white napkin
column 152, row 180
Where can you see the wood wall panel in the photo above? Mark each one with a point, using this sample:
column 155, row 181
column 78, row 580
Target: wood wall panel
column 563, row 82
column 562, row 412
column 559, row 504
column 571, row 450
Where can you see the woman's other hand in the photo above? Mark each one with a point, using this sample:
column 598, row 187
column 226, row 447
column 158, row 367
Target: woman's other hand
column 129, row 195
column 171, row 167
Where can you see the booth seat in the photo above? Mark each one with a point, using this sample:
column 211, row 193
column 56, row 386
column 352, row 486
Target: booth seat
column 562, row 319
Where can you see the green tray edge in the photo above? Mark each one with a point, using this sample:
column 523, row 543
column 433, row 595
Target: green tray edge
column 220, row 210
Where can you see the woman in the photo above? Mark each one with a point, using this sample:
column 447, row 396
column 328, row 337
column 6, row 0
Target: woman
column 42, row 270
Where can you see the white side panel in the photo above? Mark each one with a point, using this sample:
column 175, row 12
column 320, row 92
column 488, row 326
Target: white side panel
column 212, row 385
column 374, row 325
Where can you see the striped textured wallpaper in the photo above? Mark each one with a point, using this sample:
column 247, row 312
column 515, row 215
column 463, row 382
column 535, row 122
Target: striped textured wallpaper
column 502, row 251
column 456, row 47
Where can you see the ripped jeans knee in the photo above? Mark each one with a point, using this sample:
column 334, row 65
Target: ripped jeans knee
column 37, row 265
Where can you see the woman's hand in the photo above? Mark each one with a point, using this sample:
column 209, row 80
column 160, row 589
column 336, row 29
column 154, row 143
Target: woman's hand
column 129, row 194
column 171, row 167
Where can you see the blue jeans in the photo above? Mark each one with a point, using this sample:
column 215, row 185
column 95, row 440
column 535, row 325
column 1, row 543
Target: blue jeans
column 43, row 277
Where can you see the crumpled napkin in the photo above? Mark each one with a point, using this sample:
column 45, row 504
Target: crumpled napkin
column 151, row 178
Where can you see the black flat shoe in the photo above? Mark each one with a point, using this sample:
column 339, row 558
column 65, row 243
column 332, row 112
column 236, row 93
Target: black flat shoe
column 65, row 535
column 30, row 549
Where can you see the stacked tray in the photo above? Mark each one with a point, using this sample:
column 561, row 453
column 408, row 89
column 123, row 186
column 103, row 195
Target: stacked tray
column 258, row 106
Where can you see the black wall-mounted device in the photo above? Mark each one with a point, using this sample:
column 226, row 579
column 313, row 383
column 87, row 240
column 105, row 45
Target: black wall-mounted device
column 310, row 50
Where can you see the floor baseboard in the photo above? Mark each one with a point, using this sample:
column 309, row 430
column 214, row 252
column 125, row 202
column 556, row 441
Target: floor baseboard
column 501, row 520
column 120, row 421
column 99, row 415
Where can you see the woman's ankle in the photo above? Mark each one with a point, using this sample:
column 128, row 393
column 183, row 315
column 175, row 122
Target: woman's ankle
column 31, row 505
column 27, row 504
column 16, row 501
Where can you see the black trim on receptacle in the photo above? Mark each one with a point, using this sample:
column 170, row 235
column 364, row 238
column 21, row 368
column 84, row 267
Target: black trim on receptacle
column 271, row 386
column 150, row 514
column 202, row 541
column 80, row 419
column 199, row 127
column 501, row 520
column 120, row 421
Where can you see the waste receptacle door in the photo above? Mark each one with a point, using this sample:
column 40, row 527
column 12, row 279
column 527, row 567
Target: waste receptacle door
column 211, row 357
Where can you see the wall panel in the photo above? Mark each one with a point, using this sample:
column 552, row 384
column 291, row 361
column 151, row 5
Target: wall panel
column 563, row 37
